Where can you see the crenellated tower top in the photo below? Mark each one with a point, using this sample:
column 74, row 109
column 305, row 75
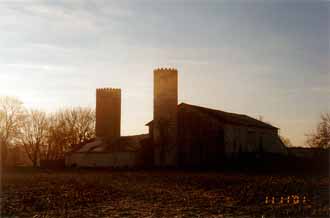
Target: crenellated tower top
column 165, row 70
column 108, row 92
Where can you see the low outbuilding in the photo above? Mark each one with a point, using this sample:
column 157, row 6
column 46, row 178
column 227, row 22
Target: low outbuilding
column 123, row 152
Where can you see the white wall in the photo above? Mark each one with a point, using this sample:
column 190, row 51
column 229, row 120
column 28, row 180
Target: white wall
column 236, row 136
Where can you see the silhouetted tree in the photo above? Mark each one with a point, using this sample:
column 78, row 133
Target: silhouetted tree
column 58, row 137
column 43, row 136
column 321, row 138
column 80, row 124
column 34, row 135
column 69, row 127
column 286, row 141
column 12, row 116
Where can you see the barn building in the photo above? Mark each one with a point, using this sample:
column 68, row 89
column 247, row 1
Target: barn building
column 207, row 137
column 188, row 135
column 179, row 135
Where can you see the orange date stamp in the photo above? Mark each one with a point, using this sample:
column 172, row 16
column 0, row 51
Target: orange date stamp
column 289, row 199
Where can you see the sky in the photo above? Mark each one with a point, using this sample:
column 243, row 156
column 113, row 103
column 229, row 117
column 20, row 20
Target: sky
column 260, row 58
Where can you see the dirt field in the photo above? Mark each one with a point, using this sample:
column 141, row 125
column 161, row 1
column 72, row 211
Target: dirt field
column 105, row 193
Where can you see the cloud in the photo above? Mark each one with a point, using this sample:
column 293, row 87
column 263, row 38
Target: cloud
column 75, row 24
column 321, row 90
column 268, row 59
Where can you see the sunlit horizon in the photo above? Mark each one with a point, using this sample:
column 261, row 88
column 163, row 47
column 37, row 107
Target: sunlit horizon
column 259, row 59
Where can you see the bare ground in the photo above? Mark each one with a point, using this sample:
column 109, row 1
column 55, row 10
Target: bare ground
column 106, row 193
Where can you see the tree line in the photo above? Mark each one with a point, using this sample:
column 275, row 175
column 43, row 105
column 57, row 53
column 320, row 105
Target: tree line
column 47, row 136
column 321, row 136
column 44, row 136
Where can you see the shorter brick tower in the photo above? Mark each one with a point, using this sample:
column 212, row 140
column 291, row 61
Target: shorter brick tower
column 165, row 116
column 108, row 113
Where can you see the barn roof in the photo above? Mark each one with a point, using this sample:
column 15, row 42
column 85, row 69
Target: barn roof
column 240, row 119
column 122, row 144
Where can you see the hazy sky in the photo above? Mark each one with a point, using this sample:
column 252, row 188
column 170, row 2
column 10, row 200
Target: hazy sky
column 268, row 58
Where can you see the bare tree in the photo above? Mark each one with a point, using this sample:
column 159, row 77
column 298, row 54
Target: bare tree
column 286, row 141
column 67, row 128
column 321, row 138
column 58, row 137
column 34, row 135
column 80, row 123
column 12, row 115
column 43, row 137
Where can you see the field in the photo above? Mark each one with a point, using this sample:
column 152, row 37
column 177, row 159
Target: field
column 106, row 193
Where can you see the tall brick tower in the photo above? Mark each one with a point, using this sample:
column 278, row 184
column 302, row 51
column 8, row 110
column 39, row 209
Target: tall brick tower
column 165, row 116
column 108, row 113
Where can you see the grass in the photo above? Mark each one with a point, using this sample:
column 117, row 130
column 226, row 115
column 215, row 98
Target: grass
column 106, row 193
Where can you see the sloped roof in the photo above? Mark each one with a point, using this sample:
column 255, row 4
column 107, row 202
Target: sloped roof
column 240, row 119
column 122, row 144
column 127, row 143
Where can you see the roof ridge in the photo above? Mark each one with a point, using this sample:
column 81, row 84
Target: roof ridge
column 242, row 119
column 213, row 109
column 232, row 114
